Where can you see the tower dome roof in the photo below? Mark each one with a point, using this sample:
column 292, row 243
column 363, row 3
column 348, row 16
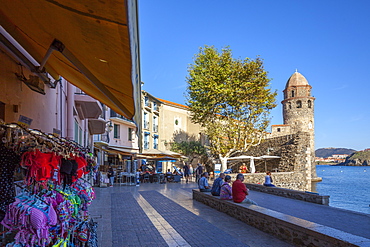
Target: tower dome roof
column 297, row 79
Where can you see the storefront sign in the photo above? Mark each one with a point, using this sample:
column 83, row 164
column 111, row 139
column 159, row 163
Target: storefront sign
column 57, row 132
column 24, row 121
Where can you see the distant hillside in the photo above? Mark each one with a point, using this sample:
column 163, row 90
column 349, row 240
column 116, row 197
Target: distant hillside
column 328, row 152
column 361, row 158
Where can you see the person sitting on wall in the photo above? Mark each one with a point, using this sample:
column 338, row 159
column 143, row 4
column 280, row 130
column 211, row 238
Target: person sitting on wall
column 225, row 191
column 268, row 180
column 240, row 191
column 215, row 191
column 203, row 183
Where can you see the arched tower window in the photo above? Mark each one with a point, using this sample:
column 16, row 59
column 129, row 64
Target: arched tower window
column 309, row 103
column 299, row 104
column 292, row 93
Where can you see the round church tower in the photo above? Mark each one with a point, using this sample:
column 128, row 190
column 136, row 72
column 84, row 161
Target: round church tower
column 298, row 104
column 298, row 113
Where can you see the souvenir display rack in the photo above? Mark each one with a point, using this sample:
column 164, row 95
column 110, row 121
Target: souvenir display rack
column 50, row 205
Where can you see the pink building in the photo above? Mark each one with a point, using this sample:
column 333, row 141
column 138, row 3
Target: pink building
column 39, row 58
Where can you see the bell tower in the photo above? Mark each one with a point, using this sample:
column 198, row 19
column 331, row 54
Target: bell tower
column 298, row 104
column 298, row 113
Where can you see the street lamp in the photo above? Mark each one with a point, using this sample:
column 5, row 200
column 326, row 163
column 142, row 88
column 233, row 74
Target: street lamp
column 110, row 126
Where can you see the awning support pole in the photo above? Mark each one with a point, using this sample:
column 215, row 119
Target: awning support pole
column 6, row 41
column 67, row 54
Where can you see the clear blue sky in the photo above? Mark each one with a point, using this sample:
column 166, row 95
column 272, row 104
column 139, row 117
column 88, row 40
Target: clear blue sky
column 327, row 41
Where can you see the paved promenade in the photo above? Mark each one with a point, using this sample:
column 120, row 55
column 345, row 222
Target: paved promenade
column 166, row 215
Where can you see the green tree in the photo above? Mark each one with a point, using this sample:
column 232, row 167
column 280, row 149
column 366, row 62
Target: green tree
column 230, row 98
column 190, row 146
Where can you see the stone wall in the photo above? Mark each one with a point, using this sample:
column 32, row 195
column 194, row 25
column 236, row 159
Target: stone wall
column 289, row 180
column 292, row 194
column 294, row 168
column 297, row 231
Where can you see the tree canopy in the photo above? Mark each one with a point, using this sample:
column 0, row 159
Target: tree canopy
column 230, row 98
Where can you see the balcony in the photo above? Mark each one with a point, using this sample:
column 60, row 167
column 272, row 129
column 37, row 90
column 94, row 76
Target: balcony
column 97, row 126
column 87, row 107
column 101, row 140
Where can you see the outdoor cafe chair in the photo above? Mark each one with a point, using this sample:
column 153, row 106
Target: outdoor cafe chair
column 146, row 178
column 155, row 178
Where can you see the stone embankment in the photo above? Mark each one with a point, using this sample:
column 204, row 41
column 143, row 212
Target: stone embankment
column 295, row 230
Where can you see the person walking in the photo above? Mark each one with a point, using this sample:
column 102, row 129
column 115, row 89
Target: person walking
column 198, row 172
column 186, row 172
column 240, row 191
column 191, row 172
column 111, row 176
column 215, row 191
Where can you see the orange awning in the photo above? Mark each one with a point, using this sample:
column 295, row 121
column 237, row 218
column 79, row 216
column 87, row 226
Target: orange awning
column 93, row 49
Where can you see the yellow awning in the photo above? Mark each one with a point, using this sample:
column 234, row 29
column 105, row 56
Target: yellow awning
column 94, row 50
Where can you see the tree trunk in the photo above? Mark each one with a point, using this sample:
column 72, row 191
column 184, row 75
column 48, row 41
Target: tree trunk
column 223, row 163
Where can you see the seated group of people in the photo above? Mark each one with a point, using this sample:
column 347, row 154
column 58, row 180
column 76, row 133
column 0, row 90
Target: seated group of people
column 173, row 176
column 221, row 187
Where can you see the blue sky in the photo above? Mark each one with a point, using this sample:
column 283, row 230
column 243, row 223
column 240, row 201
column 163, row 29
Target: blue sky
column 327, row 41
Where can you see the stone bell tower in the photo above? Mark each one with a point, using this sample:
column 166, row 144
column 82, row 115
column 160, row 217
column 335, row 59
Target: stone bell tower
column 298, row 114
column 298, row 104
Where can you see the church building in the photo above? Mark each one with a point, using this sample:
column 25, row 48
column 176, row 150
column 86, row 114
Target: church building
column 298, row 113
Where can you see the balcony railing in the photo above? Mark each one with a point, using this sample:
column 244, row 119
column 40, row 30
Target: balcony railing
column 101, row 138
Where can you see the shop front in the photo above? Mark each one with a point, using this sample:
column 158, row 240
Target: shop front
column 44, row 189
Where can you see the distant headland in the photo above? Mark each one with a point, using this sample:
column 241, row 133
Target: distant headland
column 342, row 157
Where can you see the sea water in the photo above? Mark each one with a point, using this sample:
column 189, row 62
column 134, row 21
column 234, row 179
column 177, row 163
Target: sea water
column 347, row 186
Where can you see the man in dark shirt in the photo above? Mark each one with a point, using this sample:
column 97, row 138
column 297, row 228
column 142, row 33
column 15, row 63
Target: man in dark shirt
column 216, row 187
column 198, row 172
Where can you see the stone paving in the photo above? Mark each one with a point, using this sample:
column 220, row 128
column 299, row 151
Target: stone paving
column 345, row 220
column 166, row 215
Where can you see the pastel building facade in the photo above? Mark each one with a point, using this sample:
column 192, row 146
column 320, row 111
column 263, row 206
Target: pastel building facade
column 34, row 71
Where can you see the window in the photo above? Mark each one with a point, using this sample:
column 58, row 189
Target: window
column 290, row 105
column 155, row 124
column 155, row 106
column 2, row 110
column 146, row 101
column 146, row 140
column 78, row 133
column 292, row 93
column 278, row 129
column 309, row 103
column 116, row 131
column 146, row 122
column 130, row 130
column 299, row 104
column 155, row 141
